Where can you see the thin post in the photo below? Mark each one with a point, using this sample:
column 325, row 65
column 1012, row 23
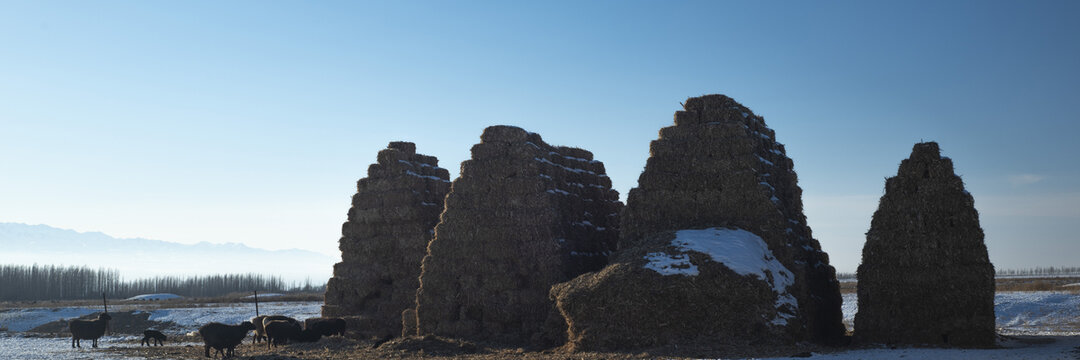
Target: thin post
column 106, row 305
column 256, row 302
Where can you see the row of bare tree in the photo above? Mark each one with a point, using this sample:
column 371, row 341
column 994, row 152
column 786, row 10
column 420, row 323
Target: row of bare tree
column 51, row 282
column 1035, row 271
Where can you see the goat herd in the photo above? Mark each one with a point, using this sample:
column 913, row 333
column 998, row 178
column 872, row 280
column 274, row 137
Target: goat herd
column 275, row 329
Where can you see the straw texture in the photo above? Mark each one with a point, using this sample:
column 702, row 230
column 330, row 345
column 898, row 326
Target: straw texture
column 718, row 166
column 523, row 215
column 926, row 277
column 392, row 218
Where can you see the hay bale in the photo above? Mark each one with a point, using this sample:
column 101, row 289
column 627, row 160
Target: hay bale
column 392, row 218
column 926, row 277
column 523, row 215
column 655, row 295
column 719, row 166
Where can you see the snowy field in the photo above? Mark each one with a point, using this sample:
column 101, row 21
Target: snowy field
column 184, row 319
column 1053, row 315
column 35, row 348
column 1040, row 313
column 190, row 319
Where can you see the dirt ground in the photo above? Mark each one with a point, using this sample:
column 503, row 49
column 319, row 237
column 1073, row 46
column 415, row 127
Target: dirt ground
column 430, row 347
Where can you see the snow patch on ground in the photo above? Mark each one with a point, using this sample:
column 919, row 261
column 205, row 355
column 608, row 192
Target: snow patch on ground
column 26, row 319
column 1037, row 313
column 47, row 348
column 849, row 307
column 190, row 319
column 162, row 296
column 187, row 319
column 1043, row 313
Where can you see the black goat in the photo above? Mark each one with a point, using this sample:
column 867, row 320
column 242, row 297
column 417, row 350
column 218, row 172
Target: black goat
column 326, row 326
column 220, row 336
column 308, row 335
column 260, row 325
column 279, row 332
column 88, row 329
column 153, row 335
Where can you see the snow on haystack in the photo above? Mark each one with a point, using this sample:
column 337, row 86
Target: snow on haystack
column 739, row 250
column 668, row 264
column 151, row 297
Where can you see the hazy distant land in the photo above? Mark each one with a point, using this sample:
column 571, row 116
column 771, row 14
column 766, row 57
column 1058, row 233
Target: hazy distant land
column 137, row 258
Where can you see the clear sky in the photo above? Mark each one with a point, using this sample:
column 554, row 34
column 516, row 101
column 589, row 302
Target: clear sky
column 250, row 121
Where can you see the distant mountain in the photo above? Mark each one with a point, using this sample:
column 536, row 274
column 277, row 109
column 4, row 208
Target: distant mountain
column 137, row 258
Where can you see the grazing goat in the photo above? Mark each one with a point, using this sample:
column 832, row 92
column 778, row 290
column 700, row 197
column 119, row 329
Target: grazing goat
column 153, row 335
column 88, row 329
column 260, row 325
column 268, row 318
column 308, row 335
column 220, row 336
column 326, row 326
column 260, row 331
column 278, row 332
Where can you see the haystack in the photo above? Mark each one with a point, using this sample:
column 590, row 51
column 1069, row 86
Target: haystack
column 392, row 218
column 716, row 183
column 523, row 215
column 925, row 277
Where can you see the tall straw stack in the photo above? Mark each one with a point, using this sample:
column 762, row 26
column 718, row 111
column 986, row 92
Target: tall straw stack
column 718, row 166
column 523, row 215
column 925, row 277
column 392, row 219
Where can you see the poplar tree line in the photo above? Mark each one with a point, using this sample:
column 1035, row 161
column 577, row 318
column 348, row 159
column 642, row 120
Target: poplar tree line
column 1041, row 271
column 50, row 282
column 1035, row 271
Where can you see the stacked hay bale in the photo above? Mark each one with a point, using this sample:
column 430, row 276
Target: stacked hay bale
column 392, row 218
column 714, row 246
column 522, row 216
column 925, row 276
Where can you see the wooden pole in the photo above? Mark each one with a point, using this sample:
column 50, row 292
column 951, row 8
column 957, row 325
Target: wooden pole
column 256, row 302
column 106, row 304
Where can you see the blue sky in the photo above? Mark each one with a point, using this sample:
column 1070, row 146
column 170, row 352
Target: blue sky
column 250, row 121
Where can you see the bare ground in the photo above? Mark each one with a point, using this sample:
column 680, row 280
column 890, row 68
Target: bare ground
column 431, row 347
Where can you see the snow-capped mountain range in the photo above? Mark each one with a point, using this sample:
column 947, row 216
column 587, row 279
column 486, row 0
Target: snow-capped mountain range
column 24, row 244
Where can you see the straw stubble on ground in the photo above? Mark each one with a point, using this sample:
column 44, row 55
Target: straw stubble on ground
column 432, row 347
